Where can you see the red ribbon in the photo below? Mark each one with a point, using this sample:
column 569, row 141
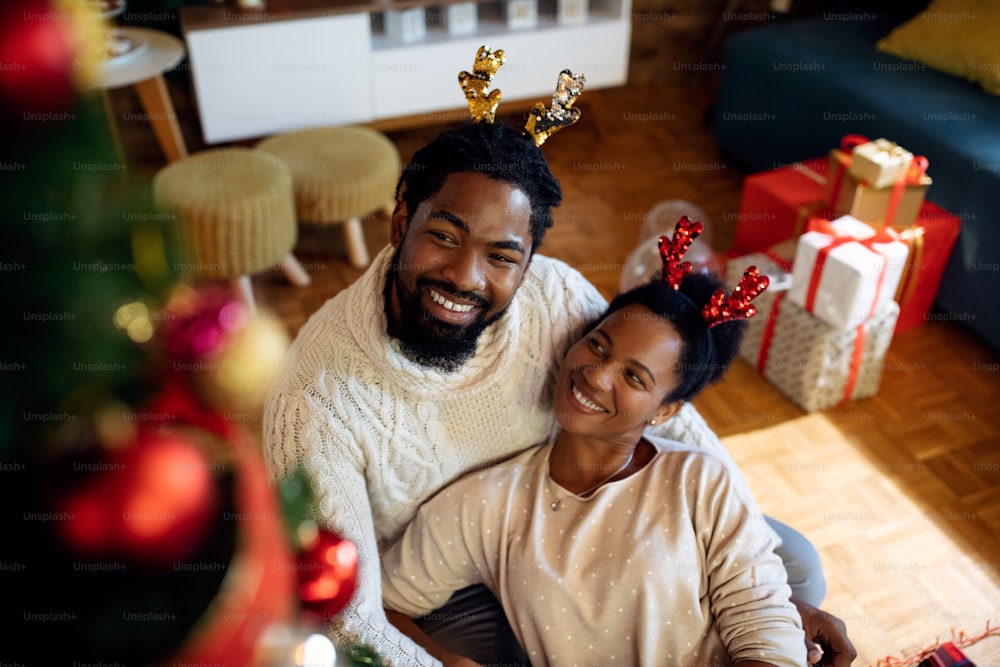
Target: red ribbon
column 783, row 263
column 910, row 176
column 765, row 340
column 856, row 356
column 884, row 235
column 847, row 145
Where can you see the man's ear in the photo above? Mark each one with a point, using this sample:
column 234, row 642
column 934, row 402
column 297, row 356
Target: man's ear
column 524, row 274
column 397, row 225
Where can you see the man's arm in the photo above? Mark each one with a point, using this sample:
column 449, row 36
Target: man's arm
column 826, row 637
column 301, row 431
column 413, row 631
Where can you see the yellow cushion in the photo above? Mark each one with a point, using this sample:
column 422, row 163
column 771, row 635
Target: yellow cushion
column 960, row 37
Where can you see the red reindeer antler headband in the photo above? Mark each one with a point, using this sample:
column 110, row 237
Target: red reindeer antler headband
column 719, row 308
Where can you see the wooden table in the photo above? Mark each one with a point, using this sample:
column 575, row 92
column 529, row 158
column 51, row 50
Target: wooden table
column 144, row 70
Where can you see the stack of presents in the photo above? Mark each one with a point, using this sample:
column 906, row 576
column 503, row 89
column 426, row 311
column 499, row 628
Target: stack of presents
column 855, row 255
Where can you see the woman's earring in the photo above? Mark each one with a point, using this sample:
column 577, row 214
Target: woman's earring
column 652, row 422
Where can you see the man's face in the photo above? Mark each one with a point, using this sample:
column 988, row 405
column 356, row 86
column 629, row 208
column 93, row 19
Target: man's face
column 458, row 262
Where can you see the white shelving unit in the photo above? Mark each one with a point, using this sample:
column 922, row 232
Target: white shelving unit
column 258, row 73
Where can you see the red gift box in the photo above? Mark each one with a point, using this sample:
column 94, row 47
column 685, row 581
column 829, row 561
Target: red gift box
column 776, row 204
column 947, row 655
column 930, row 240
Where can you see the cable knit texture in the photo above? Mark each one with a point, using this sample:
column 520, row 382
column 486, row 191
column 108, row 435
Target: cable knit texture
column 379, row 434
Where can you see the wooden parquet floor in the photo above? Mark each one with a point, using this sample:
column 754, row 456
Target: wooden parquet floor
column 900, row 492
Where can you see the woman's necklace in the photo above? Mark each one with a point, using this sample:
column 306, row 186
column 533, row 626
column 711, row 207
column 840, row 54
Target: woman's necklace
column 557, row 503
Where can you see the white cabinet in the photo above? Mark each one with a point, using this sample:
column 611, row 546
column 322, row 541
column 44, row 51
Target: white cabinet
column 403, row 86
column 258, row 79
column 256, row 74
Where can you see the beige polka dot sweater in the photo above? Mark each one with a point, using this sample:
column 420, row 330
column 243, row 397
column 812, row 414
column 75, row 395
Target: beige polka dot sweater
column 670, row 566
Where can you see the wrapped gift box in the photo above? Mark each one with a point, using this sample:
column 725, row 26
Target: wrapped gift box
column 571, row 12
column 461, row 18
column 930, row 242
column 880, row 163
column 774, row 262
column 814, row 365
column 522, row 14
column 406, row 25
column 844, row 271
column 896, row 205
column 775, row 205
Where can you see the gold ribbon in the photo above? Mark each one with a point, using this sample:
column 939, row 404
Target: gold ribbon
column 914, row 239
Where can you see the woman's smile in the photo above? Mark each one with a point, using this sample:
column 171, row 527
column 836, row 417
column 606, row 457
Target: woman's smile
column 584, row 398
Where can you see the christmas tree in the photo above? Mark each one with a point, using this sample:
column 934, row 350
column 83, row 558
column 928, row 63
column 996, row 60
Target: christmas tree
column 145, row 528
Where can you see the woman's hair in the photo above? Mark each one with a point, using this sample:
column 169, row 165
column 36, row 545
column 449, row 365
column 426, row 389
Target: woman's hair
column 706, row 352
column 493, row 149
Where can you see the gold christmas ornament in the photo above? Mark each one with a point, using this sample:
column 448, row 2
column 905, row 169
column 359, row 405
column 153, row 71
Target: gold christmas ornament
column 91, row 31
column 247, row 366
column 482, row 105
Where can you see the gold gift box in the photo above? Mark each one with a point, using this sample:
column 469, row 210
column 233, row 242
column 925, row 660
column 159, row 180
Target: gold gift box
column 849, row 195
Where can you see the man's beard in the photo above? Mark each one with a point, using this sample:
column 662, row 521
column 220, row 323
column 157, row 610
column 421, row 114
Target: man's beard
column 428, row 340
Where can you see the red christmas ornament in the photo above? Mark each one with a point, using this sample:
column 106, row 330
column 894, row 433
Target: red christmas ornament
column 200, row 323
column 328, row 569
column 37, row 48
column 151, row 502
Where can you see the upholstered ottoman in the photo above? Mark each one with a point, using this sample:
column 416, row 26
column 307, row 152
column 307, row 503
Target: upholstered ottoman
column 340, row 174
column 235, row 215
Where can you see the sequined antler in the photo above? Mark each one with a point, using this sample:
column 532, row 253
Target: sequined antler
column 672, row 251
column 482, row 104
column 736, row 306
column 543, row 123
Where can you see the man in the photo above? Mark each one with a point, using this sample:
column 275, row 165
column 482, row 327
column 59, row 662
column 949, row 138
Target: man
column 440, row 360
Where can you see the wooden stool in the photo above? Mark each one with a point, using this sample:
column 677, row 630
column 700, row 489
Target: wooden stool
column 340, row 174
column 235, row 213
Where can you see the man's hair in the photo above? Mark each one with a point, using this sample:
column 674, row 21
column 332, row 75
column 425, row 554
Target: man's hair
column 707, row 353
column 493, row 149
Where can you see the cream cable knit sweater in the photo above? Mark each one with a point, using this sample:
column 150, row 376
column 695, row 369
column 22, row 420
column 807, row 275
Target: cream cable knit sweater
column 380, row 434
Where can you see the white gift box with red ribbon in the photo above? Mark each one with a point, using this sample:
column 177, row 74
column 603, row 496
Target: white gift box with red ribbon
column 845, row 271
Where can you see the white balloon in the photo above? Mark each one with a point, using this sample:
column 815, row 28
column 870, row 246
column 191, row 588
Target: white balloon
column 662, row 218
column 644, row 263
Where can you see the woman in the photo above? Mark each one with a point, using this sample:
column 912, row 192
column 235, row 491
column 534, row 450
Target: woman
column 608, row 546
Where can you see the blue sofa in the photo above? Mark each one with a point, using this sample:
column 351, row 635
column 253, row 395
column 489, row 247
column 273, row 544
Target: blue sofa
column 791, row 90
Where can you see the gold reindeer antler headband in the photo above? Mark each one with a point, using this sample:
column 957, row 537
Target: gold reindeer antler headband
column 542, row 123
column 482, row 105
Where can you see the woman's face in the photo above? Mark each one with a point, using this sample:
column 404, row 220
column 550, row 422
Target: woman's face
column 614, row 380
